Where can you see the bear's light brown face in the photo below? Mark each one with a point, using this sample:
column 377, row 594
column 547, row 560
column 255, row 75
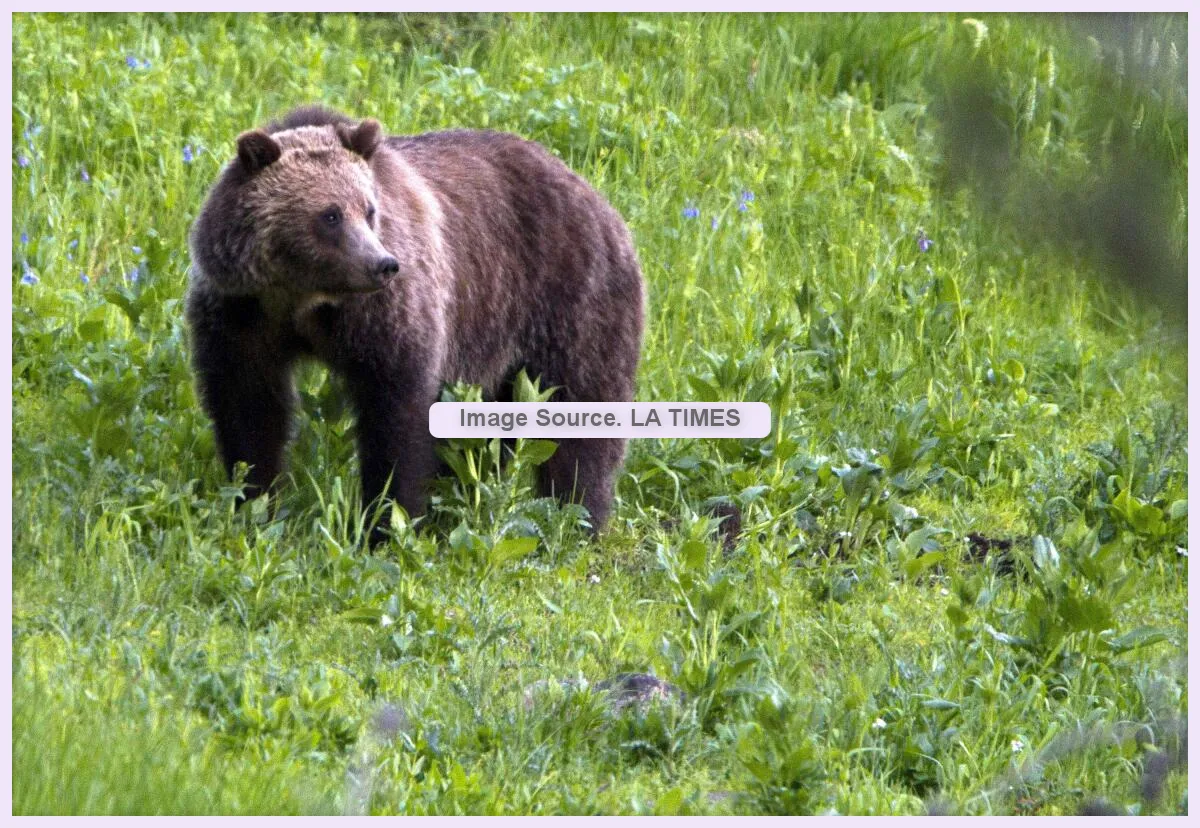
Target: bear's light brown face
column 314, row 198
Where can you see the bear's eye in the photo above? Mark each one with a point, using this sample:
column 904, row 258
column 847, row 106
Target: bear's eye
column 332, row 217
column 370, row 213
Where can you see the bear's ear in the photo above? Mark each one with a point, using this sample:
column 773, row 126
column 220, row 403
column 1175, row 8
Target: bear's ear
column 362, row 139
column 257, row 150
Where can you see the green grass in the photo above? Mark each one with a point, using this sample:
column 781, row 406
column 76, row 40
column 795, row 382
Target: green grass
column 852, row 653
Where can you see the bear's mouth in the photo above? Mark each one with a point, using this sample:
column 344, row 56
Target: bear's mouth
column 360, row 284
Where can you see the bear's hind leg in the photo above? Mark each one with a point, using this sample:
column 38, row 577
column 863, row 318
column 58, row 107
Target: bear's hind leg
column 583, row 471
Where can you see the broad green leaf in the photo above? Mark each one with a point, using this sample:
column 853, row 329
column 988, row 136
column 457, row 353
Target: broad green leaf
column 1137, row 638
column 915, row 566
column 536, row 452
column 511, row 549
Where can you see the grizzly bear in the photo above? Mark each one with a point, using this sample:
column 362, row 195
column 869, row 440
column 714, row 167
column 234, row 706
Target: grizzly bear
column 403, row 263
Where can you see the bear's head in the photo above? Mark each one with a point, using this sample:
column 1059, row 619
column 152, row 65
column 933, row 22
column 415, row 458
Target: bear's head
column 312, row 203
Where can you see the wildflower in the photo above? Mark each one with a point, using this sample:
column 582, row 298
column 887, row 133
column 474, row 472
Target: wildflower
column 134, row 275
column 878, row 724
column 923, row 241
column 28, row 277
column 137, row 250
column 83, row 277
column 747, row 196
column 187, row 154
column 131, row 61
column 32, row 132
column 74, row 243
column 22, row 161
column 1017, row 746
column 742, row 207
column 389, row 720
column 145, row 64
column 691, row 212
column 24, row 238
column 714, row 223
column 83, row 175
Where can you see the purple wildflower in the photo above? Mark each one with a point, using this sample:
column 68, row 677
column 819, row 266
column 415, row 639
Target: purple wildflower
column 747, row 196
column 22, row 161
column 691, row 212
column 28, row 277
column 131, row 61
column 187, row 154
column 134, row 275
column 137, row 250
column 83, row 175
column 742, row 207
column 714, row 223
column 923, row 241
column 83, row 277
column 24, row 238
column 74, row 243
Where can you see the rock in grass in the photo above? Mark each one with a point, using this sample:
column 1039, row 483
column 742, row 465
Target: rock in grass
column 620, row 691
column 639, row 689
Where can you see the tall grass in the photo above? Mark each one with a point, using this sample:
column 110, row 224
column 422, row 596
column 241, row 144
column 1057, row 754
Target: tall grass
column 964, row 542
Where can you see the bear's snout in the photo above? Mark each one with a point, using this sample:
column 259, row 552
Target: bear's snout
column 387, row 267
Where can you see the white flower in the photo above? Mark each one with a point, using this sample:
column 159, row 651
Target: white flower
column 878, row 724
column 1017, row 746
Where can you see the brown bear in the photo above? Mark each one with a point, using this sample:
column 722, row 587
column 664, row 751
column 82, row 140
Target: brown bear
column 406, row 262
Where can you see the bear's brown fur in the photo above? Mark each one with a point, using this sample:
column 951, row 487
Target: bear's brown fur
column 404, row 263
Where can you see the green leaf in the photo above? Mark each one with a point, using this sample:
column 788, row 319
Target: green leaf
column 1045, row 555
column 704, row 390
column 740, row 620
column 1015, row 370
column 857, row 480
column 92, row 328
column 548, row 604
column 916, row 566
column 669, row 803
column 1005, row 638
column 457, row 464
column 511, row 549
column 940, row 704
column 694, row 555
column 124, row 300
column 922, row 540
column 752, row 493
column 536, row 452
column 1148, row 520
column 362, row 615
column 1137, row 638
column 1086, row 613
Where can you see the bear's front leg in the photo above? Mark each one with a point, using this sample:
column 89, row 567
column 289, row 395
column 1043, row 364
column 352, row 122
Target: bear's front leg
column 396, row 453
column 245, row 386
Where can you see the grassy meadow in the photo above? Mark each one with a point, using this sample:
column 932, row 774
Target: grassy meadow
column 960, row 580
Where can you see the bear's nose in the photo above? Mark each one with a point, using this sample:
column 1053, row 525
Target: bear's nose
column 387, row 266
